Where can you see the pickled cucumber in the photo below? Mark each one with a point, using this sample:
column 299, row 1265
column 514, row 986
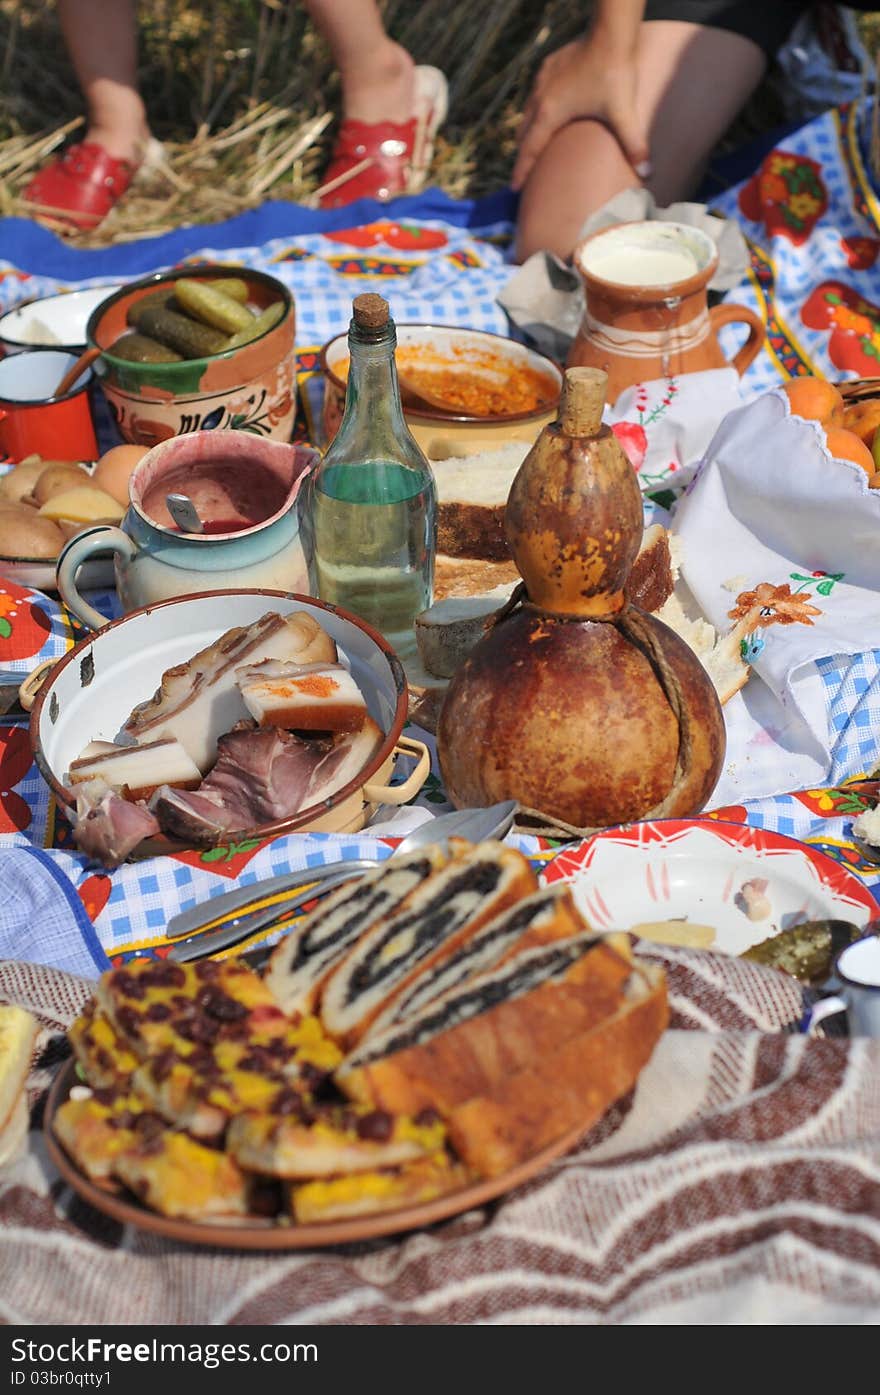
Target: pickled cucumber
column 232, row 286
column 188, row 337
column 137, row 308
column 261, row 324
column 212, row 306
column 806, row 951
column 140, row 348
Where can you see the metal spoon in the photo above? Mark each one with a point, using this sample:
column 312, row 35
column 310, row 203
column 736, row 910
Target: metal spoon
column 184, row 513
column 474, row 824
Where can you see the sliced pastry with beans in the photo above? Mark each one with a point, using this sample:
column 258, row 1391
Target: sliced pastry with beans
column 155, row 1005
column 177, row 1176
column 202, row 1089
column 97, row 1127
column 328, row 1140
column 367, row 1193
column 105, row 1059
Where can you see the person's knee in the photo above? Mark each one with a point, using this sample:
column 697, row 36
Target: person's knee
column 578, row 171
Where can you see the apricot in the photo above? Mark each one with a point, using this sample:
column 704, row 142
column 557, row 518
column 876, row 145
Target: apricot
column 815, row 400
column 845, row 445
column 862, row 418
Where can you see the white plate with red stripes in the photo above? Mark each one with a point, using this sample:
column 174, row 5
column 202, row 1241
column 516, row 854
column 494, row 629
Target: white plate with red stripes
column 694, row 870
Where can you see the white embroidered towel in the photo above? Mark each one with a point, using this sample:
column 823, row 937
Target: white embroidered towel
column 771, row 517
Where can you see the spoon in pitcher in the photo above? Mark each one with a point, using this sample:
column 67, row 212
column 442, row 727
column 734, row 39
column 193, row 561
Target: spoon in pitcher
column 184, row 513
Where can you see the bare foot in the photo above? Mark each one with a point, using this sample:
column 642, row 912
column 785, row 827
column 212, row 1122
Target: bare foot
column 380, row 90
column 122, row 141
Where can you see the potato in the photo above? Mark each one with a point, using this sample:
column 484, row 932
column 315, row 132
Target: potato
column 56, row 476
column 20, row 481
column 23, row 533
column 83, row 504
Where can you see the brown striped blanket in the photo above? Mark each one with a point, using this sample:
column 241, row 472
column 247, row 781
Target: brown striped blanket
column 740, row 1183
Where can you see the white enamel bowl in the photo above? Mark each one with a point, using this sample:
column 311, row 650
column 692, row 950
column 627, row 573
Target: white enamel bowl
column 54, row 321
column 92, row 690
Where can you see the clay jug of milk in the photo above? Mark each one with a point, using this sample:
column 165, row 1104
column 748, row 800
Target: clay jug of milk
column 646, row 313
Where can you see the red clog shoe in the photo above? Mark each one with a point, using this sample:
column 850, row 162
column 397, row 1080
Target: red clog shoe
column 79, row 187
column 380, row 160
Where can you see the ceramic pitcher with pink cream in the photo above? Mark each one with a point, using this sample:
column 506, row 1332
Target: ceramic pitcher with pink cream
column 244, row 490
column 646, row 313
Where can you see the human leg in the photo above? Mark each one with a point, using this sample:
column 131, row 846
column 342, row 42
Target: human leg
column 692, row 81
column 376, row 74
column 101, row 39
column 390, row 107
column 81, row 186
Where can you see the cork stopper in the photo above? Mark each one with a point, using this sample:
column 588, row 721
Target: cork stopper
column 370, row 311
column 582, row 400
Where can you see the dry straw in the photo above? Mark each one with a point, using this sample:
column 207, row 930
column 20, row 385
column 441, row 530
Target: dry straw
column 244, row 98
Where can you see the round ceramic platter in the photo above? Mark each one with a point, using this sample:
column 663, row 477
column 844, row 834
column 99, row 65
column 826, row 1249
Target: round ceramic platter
column 269, row 1235
column 694, row 869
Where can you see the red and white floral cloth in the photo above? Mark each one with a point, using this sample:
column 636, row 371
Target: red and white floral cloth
column 812, row 218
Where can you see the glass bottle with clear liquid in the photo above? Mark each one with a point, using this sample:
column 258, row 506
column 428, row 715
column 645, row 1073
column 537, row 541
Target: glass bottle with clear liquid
column 368, row 511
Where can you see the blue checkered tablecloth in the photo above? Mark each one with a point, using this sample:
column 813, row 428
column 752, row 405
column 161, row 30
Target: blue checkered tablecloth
column 63, row 911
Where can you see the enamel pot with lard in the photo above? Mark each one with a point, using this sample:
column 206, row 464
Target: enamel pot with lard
column 582, row 707
column 244, row 490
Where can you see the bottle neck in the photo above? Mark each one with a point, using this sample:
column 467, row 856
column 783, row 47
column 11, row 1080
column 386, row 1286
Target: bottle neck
column 372, row 383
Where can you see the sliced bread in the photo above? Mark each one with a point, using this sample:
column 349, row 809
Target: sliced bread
column 472, row 495
column 18, row 1033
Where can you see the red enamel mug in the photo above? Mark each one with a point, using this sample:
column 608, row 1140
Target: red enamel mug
column 33, row 421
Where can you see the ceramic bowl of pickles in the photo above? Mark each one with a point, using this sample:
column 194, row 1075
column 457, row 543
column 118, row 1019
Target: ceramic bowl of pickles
column 198, row 349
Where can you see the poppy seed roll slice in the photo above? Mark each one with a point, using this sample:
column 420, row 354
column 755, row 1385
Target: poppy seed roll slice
column 549, row 915
column 302, row 961
column 505, row 1020
column 520, row 974
column 450, row 908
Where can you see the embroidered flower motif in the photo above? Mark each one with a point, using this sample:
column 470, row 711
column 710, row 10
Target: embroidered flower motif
column 773, row 605
column 804, row 205
column 774, row 187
